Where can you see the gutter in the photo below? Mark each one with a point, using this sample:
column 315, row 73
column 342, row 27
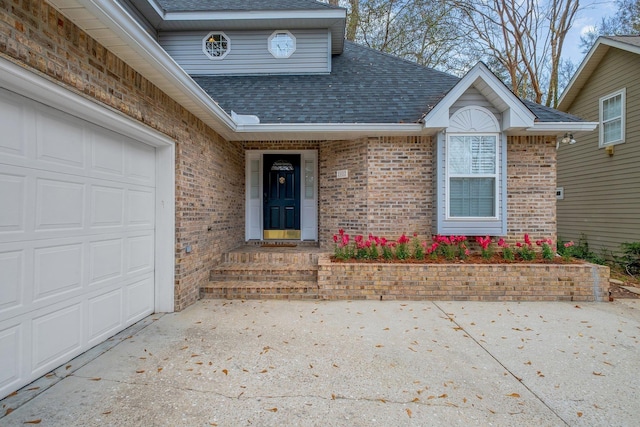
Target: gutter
column 561, row 127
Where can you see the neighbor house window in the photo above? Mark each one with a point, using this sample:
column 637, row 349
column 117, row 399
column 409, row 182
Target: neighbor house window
column 612, row 120
column 216, row 45
column 472, row 176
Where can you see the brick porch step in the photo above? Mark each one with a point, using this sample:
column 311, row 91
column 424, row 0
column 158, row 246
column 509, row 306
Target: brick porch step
column 260, row 290
column 256, row 272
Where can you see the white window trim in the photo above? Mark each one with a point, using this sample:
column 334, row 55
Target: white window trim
column 273, row 52
column 623, row 93
column 495, row 176
column 204, row 45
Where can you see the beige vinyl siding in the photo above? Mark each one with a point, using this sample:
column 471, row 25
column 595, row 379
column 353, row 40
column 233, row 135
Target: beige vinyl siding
column 249, row 53
column 602, row 192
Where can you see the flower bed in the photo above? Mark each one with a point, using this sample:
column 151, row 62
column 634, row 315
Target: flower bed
column 457, row 274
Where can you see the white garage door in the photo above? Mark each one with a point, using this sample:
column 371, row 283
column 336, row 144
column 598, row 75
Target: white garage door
column 76, row 237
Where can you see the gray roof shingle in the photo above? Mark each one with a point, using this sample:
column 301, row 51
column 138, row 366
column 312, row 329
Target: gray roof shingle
column 364, row 86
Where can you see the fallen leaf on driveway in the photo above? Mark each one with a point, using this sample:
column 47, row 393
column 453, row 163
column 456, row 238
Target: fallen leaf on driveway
column 513, row 395
column 408, row 412
column 600, row 374
column 579, row 414
column 38, row 421
column 95, row 379
column 273, row 409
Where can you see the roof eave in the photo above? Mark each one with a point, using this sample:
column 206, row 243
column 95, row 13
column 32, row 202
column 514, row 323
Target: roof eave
column 559, row 128
column 323, row 131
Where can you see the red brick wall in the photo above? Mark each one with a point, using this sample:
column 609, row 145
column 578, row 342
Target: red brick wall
column 209, row 170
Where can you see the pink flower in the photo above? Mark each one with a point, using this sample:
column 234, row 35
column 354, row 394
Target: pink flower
column 502, row 243
column 403, row 239
column 568, row 244
column 484, row 242
column 415, row 234
column 341, row 232
column 335, row 238
column 527, row 240
column 518, row 244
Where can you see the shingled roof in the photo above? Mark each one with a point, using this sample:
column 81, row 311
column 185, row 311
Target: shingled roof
column 235, row 5
column 364, row 86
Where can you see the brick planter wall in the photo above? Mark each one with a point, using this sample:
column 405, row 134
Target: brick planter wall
column 462, row 282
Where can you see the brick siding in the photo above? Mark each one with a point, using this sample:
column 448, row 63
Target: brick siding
column 531, row 187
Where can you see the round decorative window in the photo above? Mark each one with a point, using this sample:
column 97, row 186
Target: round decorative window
column 216, row 45
column 282, row 44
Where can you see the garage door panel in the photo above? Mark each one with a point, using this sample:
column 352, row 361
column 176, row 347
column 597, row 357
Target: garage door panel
column 14, row 122
column 11, row 350
column 104, row 316
column 107, row 154
column 107, row 206
column 140, row 207
column 140, row 165
column 60, row 139
column 12, row 268
column 49, row 345
column 140, row 250
column 58, row 270
column 59, row 204
column 12, row 194
column 138, row 299
column 105, row 260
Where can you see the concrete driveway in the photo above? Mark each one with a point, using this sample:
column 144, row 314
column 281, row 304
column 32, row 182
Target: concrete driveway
column 360, row 363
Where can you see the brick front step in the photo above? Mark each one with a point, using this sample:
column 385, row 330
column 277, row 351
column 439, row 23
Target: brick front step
column 260, row 290
column 264, row 272
column 273, row 272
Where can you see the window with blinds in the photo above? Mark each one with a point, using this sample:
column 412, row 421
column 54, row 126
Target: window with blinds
column 472, row 175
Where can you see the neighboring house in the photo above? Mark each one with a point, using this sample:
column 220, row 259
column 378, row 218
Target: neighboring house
column 599, row 177
column 142, row 139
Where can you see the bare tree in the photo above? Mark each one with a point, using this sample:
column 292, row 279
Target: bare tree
column 526, row 37
column 421, row 31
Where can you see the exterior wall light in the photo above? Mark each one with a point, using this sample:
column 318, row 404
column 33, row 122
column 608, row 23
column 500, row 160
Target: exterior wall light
column 566, row 139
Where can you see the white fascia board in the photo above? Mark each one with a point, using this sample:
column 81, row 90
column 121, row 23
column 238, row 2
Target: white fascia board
column 115, row 18
column 516, row 116
column 263, row 15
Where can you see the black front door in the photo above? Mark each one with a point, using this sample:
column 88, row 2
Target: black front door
column 281, row 196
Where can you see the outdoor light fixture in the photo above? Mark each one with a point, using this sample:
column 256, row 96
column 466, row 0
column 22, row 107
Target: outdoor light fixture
column 566, row 139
